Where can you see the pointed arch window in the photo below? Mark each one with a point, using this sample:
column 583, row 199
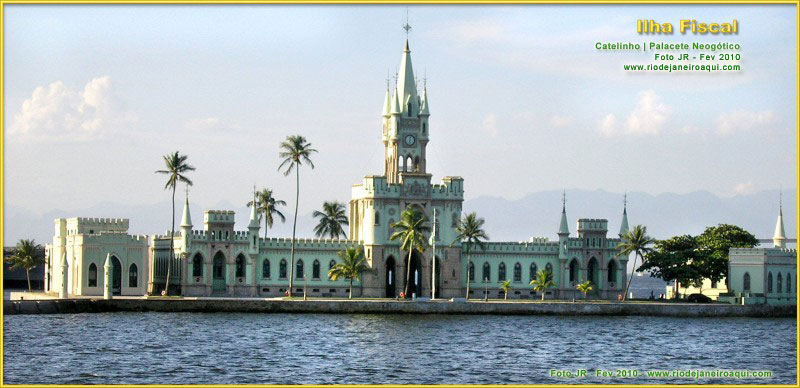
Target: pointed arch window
column 533, row 271
column 518, row 272
column 487, row 272
column 769, row 282
column 92, row 275
column 282, row 269
column 197, row 265
column 240, row 266
column 299, row 270
column 501, row 272
column 377, row 218
column 409, row 109
column 548, row 268
column 133, row 276
column 315, row 269
column 780, row 283
column 788, row 283
column 612, row 271
column 746, row 282
column 471, row 272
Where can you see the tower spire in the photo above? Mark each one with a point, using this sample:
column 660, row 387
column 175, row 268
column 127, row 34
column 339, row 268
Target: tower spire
column 563, row 227
column 779, row 239
column 623, row 228
column 253, row 213
column 186, row 220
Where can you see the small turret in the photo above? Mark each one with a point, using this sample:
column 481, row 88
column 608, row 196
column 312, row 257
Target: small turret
column 779, row 239
column 395, row 104
column 186, row 220
column 563, row 228
column 623, row 228
column 254, row 213
column 387, row 104
column 424, row 109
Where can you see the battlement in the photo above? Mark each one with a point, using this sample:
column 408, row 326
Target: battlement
column 764, row 251
column 307, row 243
column 88, row 225
column 593, row 224
column 546, row 247
column 219, row 216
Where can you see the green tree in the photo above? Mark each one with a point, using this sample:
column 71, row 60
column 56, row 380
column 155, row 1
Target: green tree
column 506, row 287
column 351, row 265
column 470, row 232
column 638, row 242
column 267, row 207
column 714, row 243
column 176, row 167
column 26, row 255
column 410, row 231
column 543, row 281
column 675, row 259
column 585, row 288
column 294, row 150
column 331, row 219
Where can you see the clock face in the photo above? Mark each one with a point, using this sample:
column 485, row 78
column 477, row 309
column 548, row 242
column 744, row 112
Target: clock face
column 410, row 140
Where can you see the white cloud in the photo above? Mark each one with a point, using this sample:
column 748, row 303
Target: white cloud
column 647, row 118
column 490, row 124
column 743, row 121
column 560, row 121
column 57, row 112
column 744, row 188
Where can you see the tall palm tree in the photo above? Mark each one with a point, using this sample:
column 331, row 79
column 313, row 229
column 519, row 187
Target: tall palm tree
column 506, row 287
column 543, row 281
column 176, row 167
column 331, row 219
column 266, row 205
column 410, row 230
column 635, row 241
column 470, row 232
column 352, row 264
column 294, row 150
column 585, row 287
column 27, row 255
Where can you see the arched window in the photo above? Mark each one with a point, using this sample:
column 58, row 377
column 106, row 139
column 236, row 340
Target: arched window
column 424, row 127
column 240, row 266
column 265, row 270
column 416, row 163
column 769, row 282
column 518, row 272
column 330, row 266
column 573, row 270
column 788, row 283
column 501, row 272
column 197, row 265
column 299, row 270
column 548, row 268
column 409, row 109
column 401, row 163
column 133, row 276
column 455, row 220
column 377, row 218
column 92, row 275
column 533, row 271
column 746, row 282
column 282, row 269
column 487, row 272
column 315, row 269
column 780, row 283
column 471, row 272
column 612, row 271
column 409, row 164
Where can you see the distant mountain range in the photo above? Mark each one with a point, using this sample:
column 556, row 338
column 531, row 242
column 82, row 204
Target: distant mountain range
column 536, row 214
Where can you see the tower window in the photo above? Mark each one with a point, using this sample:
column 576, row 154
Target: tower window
column 409, row 109
column 424, row 127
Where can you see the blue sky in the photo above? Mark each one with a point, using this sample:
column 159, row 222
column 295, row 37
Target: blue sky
column 520, row 100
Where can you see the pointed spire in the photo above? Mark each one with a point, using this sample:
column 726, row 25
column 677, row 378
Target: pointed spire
column 395, row 104
column 779, row 239
column 424, row 110
column 623, row 228
column 387, row 103
column 253, row 213
column 563, row 228
column 406, row 86
column 186, row 221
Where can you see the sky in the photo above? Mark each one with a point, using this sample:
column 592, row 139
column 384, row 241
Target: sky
column 520, row 100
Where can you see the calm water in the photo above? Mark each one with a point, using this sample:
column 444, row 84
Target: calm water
column 181, row 348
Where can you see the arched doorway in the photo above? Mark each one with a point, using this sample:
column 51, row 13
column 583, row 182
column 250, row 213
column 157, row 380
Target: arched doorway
column 612, row 273
column 413, row 278
column 218, row 281
column 390, row 277
column 573, row 272
column 592, row 269
column 116, row 276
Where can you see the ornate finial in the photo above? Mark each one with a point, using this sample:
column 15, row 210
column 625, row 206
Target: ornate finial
column 425, row 78
column 564, row 199
column 780, row 200
column 388, row 77
column 395, row 78
column 625, row 200
column 407, row 26
column 187, row 191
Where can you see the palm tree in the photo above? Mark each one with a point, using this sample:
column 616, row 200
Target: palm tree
column 585, row 287
column 295, row 150
column 27, row 255
column 410, row 230
column 331, row 219
column 635, row 241
column 543, row 281
column 266, row 204
column 470, row 232
column 506, row 287
column 175, row 168
column 351, row 266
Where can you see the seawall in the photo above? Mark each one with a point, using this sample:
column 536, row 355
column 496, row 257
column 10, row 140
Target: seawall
column 72, row 306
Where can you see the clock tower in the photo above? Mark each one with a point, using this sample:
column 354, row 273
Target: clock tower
column 405, row 124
